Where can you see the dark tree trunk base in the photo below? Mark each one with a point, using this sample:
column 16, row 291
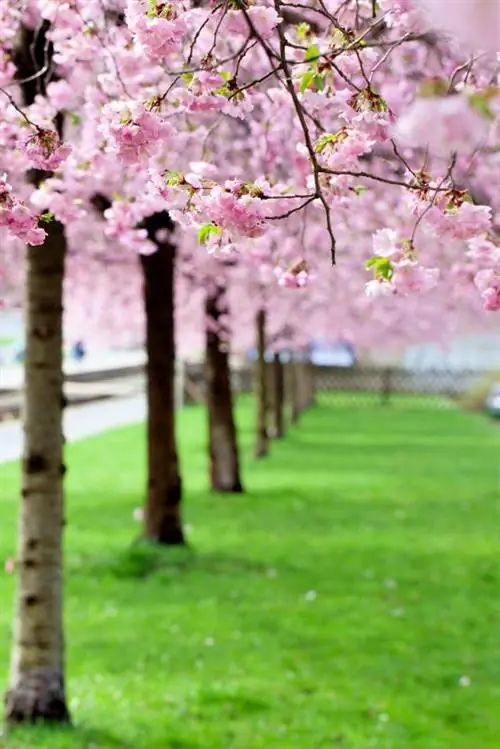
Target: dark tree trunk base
column 37, row 697
column 163, row 522
column 162, row 517
column 168, row 535
column 261, row 449
column 235, row 488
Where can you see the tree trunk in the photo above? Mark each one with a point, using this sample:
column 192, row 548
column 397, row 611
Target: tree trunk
column 302, row 386
column 311, row 384
column 162, row 517
column 306, row 386
column 292, row 392
column 278, row 397
column 261, row 445
column 223, row 447
column 36, row 690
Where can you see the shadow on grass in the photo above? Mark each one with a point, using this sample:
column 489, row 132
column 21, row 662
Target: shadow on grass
column 75, row 736
column 143, row 560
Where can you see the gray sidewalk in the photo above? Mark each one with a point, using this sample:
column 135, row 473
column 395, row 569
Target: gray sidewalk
column 79, row 422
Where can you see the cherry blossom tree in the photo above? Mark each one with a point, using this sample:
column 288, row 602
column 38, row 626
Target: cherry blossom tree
column 295, row 134
column 36, row 688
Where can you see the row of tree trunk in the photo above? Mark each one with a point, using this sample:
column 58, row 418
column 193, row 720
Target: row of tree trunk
column 36, row 689
column 277, row 386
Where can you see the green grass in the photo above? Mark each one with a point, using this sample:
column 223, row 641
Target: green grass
column 337, row 604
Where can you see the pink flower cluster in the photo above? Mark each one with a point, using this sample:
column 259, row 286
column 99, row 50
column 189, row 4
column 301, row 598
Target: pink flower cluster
column 121, row 221
column 476, row 22
column 159, row 29
column 261, row 20
column 488, row 284
column 408, row 277
column 210, row 92
column 296, row 276
column 235, row 209
column 341, row 151
column 45, row 150
column 17, row 217
column 461, row 222
column 401, row 272
column 486, row 255
column 135, row 131
column 456, row 125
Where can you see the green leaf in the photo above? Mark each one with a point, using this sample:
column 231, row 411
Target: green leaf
column 312, row 53
column 47, row 217
column 479, row 102
column 306, row 80
column 303, row 30
column 433, row 87
column 173, row 178
column 323, row 141
column 319, row 82
column 206, row 231
column 382, row 267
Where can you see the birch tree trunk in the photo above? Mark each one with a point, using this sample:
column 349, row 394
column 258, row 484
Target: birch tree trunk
column 162, row 516
column 223, row 446
column 261, row 439
column 36, row 690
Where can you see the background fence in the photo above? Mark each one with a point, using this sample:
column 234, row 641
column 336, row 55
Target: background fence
column 368, row 385
column 433, row 388
column 358, row 385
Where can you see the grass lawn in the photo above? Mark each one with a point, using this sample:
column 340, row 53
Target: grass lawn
column 350, row 599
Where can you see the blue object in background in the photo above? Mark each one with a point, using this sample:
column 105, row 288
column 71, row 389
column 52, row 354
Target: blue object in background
column 78, row 352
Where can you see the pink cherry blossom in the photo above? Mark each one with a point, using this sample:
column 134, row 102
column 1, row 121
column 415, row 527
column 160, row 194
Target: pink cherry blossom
column 488, row 283
column 17, row 217
column 410, row 277
column 45, row 150
column 476, row 22
column 456, row 125
column 135, row 132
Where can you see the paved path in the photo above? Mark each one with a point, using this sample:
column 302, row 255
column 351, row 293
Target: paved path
column 79, row 422
column 11, row 375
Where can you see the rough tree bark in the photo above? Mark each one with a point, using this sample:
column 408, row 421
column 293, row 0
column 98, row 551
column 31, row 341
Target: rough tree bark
column 261, row 441
column 223, row 446
column 278, row 397
column 162, row 515
column 36, row 688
